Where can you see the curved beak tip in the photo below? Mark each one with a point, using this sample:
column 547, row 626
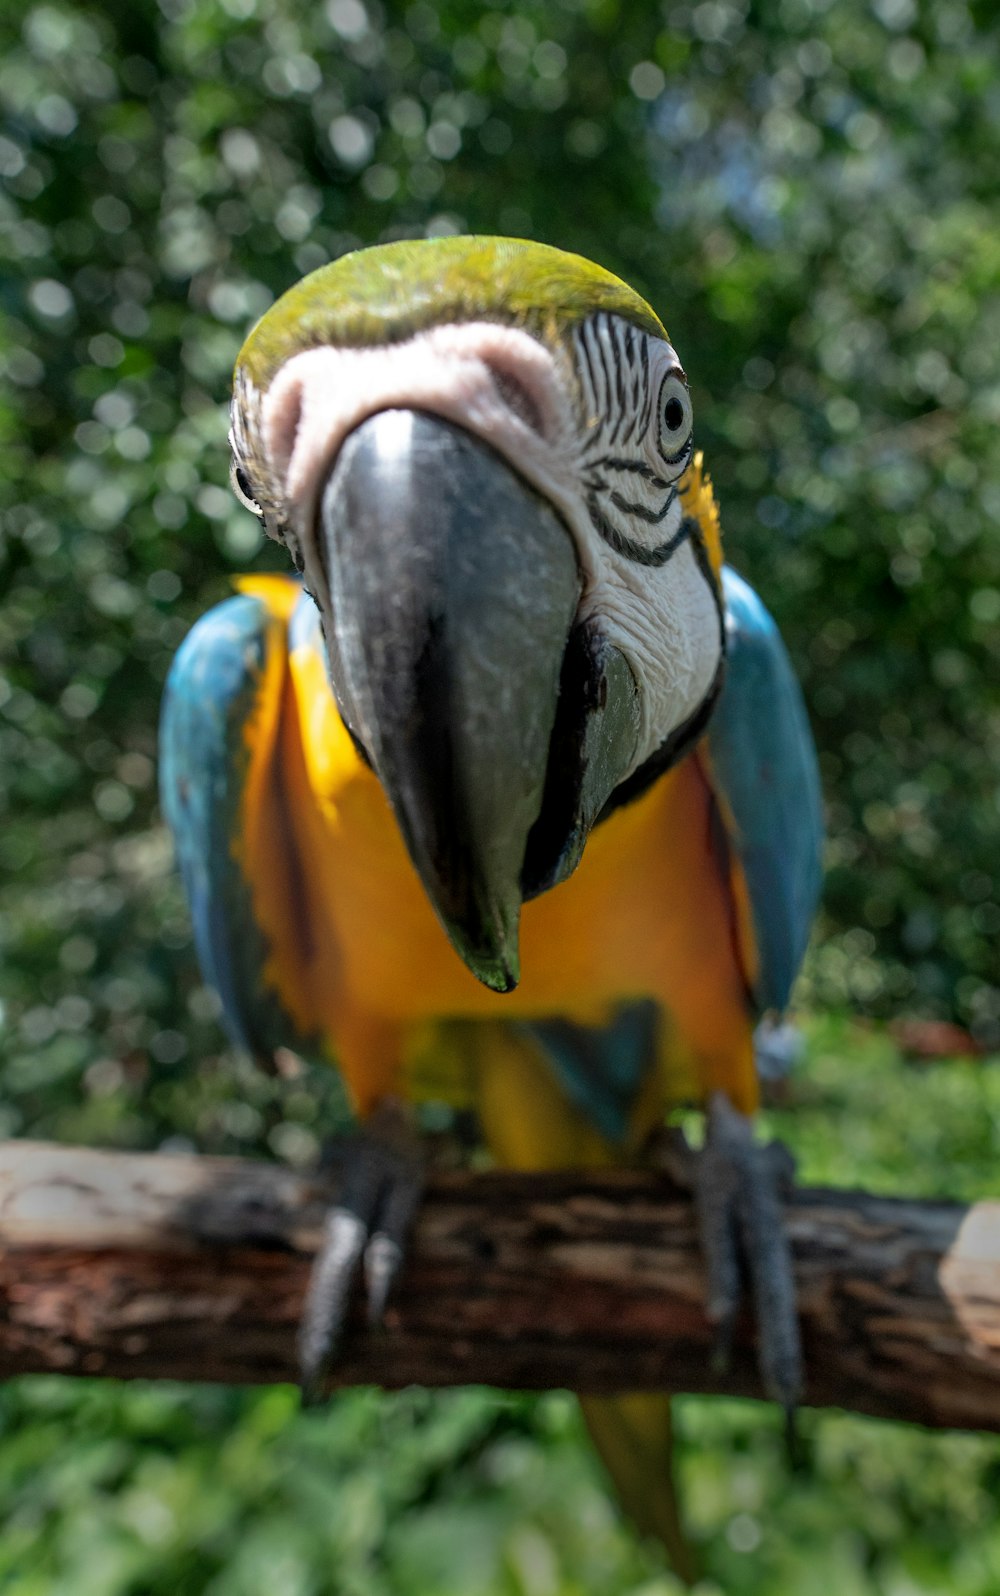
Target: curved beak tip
column 503, row 979
column 507, row 968
column 493, row 956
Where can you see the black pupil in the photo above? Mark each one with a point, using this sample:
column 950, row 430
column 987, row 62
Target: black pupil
column 243, row 484
column 673, row 414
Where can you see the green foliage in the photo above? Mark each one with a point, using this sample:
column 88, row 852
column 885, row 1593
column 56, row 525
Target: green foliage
column 805, row 192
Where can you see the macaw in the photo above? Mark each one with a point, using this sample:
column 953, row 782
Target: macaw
column 509, row 796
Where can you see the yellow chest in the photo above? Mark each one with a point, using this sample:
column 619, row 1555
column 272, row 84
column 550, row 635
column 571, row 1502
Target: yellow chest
column 357, row 954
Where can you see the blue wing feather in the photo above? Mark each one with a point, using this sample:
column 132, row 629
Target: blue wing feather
column 764, row 767
column 211, row 691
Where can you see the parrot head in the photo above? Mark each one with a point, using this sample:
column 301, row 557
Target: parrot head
column 479, row 454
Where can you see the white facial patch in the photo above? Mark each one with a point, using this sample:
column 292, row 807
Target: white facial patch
column 593, row 432
column 667, row 625
column 494, row 381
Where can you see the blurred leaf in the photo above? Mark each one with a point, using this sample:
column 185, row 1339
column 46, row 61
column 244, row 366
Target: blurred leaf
column 807, row 194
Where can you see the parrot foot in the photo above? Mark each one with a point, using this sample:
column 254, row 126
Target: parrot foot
column 368, row 1228
column 740, row 1187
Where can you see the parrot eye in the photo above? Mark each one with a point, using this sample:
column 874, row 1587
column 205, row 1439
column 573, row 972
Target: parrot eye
column 675, row 419
column 244, row 492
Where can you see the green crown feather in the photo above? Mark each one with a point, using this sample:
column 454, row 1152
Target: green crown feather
column 386, row 294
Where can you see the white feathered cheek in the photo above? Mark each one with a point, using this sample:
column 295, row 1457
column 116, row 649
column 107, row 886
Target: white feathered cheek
column 650, row 591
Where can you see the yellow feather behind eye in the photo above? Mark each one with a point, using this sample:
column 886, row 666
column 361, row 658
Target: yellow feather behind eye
column 279, row 593
column 698, row 500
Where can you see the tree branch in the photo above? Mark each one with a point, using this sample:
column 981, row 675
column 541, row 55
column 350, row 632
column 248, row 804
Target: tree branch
column 188, row 1268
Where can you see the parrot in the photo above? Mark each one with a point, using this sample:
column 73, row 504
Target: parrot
column 505, row 796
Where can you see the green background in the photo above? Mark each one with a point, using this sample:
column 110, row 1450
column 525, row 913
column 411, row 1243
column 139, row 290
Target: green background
column 806, row 192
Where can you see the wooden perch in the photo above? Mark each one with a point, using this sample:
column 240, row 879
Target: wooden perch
column 193, row 1268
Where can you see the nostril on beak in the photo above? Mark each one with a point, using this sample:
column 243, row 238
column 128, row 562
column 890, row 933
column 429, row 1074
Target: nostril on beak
column 518, row 398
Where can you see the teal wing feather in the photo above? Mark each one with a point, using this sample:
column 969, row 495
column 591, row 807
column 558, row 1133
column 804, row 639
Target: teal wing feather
column 210, row 693
column 601, row 1068
column 764, row 767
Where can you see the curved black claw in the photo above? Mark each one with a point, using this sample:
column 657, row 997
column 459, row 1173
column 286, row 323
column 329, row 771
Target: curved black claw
column 740, row 1188
column 382, row 1181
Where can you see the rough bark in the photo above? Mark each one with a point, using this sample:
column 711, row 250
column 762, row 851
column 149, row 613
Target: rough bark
column 193, row 1268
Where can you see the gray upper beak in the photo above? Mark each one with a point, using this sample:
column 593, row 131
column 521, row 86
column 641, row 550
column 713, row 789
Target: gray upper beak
column 451, row 592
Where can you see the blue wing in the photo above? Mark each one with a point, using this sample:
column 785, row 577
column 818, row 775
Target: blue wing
column 764, row 768
column 214, row 687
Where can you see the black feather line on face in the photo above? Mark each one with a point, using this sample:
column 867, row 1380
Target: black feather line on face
column 634, row 384
column 590, row 360
column 636, row 468
column 640, row 511
column 699, row 549
column 628, row 547
column 620, row 366
column 606, row 373
column 647, row 407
